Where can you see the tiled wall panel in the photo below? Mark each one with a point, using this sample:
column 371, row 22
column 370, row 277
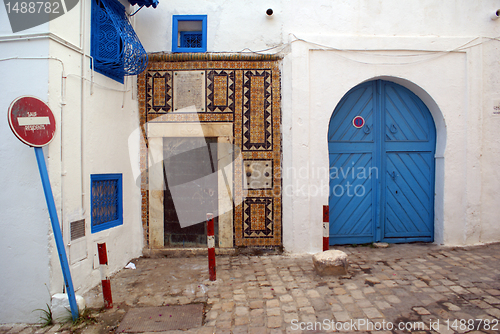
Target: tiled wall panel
column 247, row 94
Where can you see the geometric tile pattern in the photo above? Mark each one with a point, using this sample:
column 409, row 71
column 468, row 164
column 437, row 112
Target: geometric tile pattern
column 159, row 91
column 220, row 91
column 257, row 110
column 245, row 93
column 258, row 217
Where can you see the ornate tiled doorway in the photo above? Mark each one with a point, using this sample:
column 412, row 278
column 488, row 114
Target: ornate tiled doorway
column 235, row 100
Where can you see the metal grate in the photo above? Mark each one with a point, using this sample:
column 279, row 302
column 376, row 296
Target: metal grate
column 115, row 47
column 191, row 39
column 77, row 229
column 104, row 201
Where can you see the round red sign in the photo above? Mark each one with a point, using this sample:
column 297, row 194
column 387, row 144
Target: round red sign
column 358, row 122
column 32, row 121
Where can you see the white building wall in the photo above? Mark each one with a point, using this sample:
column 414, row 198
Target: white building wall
column 94, row 116
column 24, row 219
column 442, row 51
column 97, row 116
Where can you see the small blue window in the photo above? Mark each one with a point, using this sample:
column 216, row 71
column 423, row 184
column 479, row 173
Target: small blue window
column 189, row 33
column 106, row 201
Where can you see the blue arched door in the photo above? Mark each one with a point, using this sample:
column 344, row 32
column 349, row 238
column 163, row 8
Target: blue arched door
column 381, row 143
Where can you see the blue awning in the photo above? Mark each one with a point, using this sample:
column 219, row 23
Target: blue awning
column 146, row 3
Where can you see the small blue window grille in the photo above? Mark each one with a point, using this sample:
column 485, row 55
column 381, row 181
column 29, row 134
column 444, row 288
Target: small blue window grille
column 106, row 201
column 115, row 48
column 191, row 39
column 186, row 40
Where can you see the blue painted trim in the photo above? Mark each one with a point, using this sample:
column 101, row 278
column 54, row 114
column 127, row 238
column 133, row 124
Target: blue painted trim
column 175, row 32
column 56, row 229
column 117, row 222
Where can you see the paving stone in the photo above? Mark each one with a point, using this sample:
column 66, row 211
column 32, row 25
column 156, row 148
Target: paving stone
column 227, row 307
column 344, row 299
column 336, row 308
column 288, row 317
column 307, row 309
column 421, row 311
column 382, row 305
column 273, row 311
column 280, row 289
column 491, row 300
column 341, row 316
column 313, row 294
column 256, row 330
column 303, row 301
column 272, row 303
column 452, row 307
column 372, row 313
column 286, row 298
column 494, row 312
column 480, row 303
column 297, row 293
column 239, row 321
column 241, row 311
column 392, row 299
column 274, row 322
column 306, row 317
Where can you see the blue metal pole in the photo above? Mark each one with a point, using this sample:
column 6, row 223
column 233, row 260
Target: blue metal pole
column 56, row 229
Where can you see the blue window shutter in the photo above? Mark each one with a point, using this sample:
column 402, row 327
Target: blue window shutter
column 115, row 47
column 106, row 45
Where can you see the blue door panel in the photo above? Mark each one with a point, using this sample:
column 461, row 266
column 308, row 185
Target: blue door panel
column 409, row 195
column 404, row 118
column 351, row 195
column 359, row 102
column 382, row 174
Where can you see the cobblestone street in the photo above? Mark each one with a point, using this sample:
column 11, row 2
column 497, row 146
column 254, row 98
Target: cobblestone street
column 404, row 285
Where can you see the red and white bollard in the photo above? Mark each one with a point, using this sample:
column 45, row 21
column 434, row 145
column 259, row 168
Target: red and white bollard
column 211, row 246
column 106, row 282
column 326, row 228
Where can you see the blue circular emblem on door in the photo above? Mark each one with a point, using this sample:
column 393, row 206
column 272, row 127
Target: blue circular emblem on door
column 358, row 122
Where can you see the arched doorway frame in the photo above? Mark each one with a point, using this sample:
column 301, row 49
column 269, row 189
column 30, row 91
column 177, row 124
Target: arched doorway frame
column 441, row 137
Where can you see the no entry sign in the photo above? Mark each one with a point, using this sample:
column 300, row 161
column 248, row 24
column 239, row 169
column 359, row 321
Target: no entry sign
column 34, row 124
column 32, row 121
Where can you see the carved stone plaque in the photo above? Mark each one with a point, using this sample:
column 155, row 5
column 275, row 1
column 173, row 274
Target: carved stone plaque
column 189, row 91
column 259, row 174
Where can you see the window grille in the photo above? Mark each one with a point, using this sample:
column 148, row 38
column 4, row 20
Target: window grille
column 106, row 201
column 115, row 48
column 189, row 33
column 191, row 39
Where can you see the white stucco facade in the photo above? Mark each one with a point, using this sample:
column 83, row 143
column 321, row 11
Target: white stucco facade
column 94, row 117
column 444, row 52
column 447, row 53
